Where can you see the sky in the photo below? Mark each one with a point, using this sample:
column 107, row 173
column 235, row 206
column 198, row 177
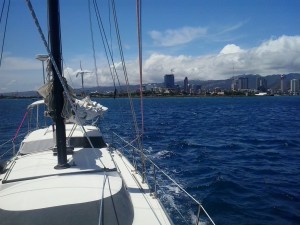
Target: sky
column 198, row 39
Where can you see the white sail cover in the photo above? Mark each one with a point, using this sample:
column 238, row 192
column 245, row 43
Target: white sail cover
column 86, row 109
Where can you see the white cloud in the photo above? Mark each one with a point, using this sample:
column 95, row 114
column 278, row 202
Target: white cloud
column 10, row 63
column 11, row 82
column 173, row 37
column 8, row 85
column 271, row 57
column 231, row 49
column 274, row 56
column 232, row 27
column 90, row 79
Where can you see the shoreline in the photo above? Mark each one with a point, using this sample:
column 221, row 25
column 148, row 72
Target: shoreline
column 173, row 96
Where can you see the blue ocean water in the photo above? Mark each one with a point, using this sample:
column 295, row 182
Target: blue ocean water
column 240, row 157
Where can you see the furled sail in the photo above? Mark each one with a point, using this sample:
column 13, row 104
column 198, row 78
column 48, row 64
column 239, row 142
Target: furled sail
column 86, row 109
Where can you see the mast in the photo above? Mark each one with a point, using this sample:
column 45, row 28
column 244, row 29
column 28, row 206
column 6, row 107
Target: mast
column 55, row 45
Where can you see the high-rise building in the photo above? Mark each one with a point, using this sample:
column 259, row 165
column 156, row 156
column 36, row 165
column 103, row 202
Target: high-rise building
column 294, row 86
column 169, row 81
column 261, row 84
column 186, row 85
column 234, row 84
column 242, row 83
column 282, row 82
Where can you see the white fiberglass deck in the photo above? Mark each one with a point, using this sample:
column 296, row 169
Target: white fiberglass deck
column 42, row 164
column 33, row 184
column 44, row 139
column 147, row 209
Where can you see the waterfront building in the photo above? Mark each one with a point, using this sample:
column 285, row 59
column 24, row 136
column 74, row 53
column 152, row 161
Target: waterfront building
column 169, row 81
column 217, row 90
column 261, row 84
column 282, row 82
column 294, row 86
column 197, row 89
column 177, row 88
column 186, row 85
column 242, row 83
column 234, row 84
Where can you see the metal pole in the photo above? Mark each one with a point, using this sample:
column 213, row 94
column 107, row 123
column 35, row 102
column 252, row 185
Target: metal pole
column 37, row 116
column 154, row 171
column 54, row 30
column 42, row 58
column 43, row 72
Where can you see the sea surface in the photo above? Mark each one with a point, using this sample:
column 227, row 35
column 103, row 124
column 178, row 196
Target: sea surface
column 240, row 157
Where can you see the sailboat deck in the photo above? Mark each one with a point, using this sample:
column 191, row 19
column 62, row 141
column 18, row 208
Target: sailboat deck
column 32, row 176
column 147, row 208
column 42, row 164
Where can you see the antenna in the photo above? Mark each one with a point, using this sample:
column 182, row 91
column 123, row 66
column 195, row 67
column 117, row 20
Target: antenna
column 81, row 72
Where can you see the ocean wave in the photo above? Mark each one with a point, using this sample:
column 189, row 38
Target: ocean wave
column 164, row 154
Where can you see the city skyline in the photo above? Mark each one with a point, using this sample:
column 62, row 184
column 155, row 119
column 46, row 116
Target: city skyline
column 254, row 84
column 239, row 83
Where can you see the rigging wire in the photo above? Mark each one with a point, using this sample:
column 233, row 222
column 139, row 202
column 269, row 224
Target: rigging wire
column 110, row 30
column 93, row 43
column 3, row 41
column 107, row 50
column 111, row 41
column 139, row 141
column 102, row 33
column 109, row 46
column 2, row 10
column 125, row 73
column 139, row 33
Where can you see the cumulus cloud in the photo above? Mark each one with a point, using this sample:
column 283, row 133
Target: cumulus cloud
column 74, row 79
column 103, row 76
column 273, row 56
column 231, row 49
column 11, row 63
column 174, row 37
